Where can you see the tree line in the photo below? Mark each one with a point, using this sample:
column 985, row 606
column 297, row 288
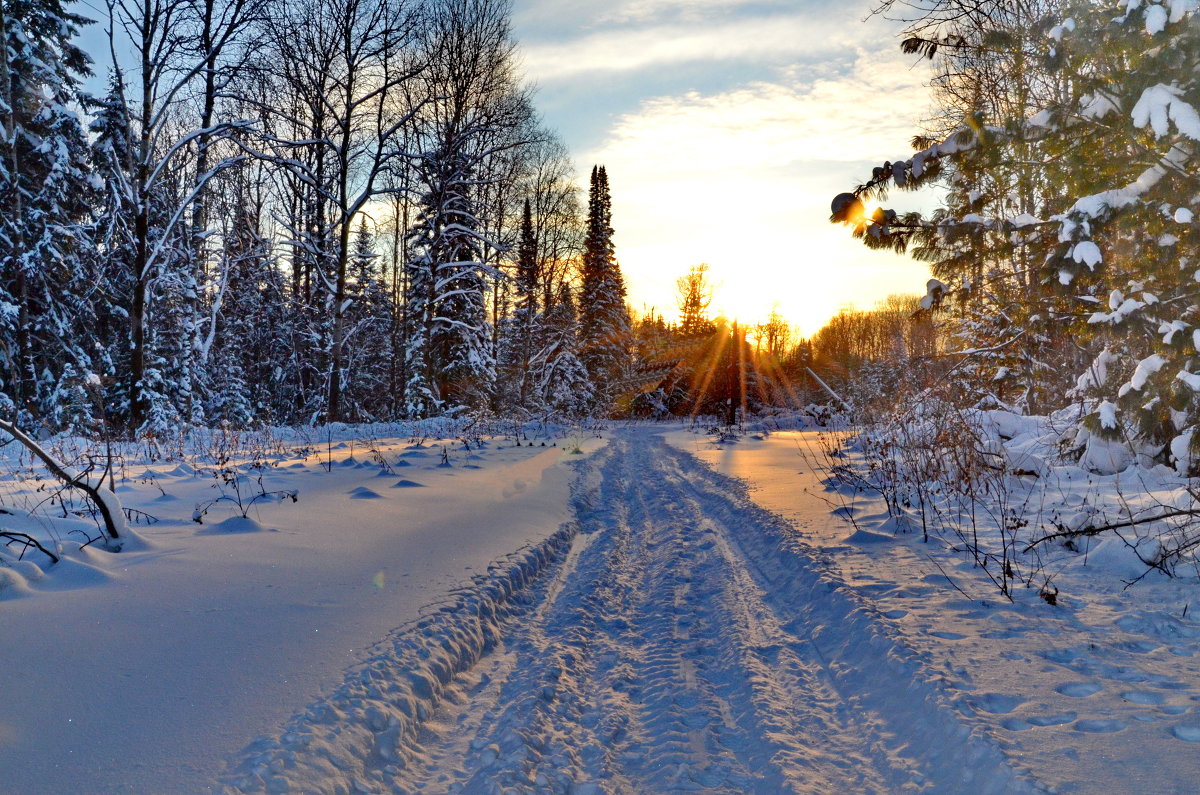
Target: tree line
column 292, row 211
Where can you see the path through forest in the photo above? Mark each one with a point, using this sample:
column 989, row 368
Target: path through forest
column 674, row 637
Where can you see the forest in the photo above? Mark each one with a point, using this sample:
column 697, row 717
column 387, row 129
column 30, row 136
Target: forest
column 293, row 212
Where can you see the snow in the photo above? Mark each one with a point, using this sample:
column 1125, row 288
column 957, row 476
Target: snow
column 145, row 670
column 1160, row 103
column 1181, row 452
column 663, row 611
column 1087, row 253
column 1156, row 19
column 1108, row 415
column 1146, row 368
column 1180, row 8
column 1056, row 32
column 1095, row 694
column 1097, row 106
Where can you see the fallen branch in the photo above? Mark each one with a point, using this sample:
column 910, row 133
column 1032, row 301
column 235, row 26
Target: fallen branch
column 28, row 541
column 106, row 502
column 1131, row 522
column 829, row 389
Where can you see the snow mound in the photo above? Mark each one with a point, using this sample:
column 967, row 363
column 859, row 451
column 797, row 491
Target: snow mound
column 234, row 524
column 861, row 536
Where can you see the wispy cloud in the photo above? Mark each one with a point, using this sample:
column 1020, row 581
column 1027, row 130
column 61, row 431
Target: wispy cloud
column 771, row 38
column 687, row 10
column 591, row 14
column 763, row 111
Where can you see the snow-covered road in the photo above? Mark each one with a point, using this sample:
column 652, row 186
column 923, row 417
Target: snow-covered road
column 675, row 636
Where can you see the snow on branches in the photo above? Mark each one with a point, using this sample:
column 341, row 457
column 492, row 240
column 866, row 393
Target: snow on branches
column 1072, row 183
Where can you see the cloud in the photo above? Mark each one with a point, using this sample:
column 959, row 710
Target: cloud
column 742, row 179
column 759, row 39
column 688, row 10
column 590, row 14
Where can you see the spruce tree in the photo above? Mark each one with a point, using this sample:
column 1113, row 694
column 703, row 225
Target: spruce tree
column 44, row 195
column 111, row 265
column 368, row 319
column 562, row 383
column 449, row 357
column 605, row 330
column 524, row 328
column 1111, row 241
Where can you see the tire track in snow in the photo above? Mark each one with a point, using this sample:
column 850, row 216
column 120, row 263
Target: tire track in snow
column 684, row 641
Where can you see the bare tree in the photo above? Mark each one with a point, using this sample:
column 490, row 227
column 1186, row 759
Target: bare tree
column 342, row 97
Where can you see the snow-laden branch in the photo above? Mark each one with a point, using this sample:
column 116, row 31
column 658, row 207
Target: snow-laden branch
column 109, row 504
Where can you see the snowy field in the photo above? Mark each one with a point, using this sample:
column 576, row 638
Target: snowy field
column 143, row 671
column 645, row 612
column 1098, row 693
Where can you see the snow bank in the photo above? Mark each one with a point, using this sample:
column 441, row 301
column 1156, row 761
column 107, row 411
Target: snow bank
column 353, row 739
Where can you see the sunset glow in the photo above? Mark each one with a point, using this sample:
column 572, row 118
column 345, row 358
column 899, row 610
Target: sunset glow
column 730, row 155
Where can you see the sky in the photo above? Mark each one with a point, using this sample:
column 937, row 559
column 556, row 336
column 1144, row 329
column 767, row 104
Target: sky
column 727, row 127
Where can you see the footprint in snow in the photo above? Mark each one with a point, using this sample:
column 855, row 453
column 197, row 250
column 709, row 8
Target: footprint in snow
column 363, row 493
column 995, row 703
column 1053, row 720
column 948, row 636
column 1078, row 689
column 1189, row 733
column 1099, row 726
column 1143, row 697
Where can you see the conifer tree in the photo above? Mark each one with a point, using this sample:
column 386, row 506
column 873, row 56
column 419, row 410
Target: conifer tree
column 605, row 330
column 522, row 332
column 44, row 194
column 111, row 266
column 562, row 382
column 1111, row 240
column 368, row 318
column 251, row 333
column 695, row 295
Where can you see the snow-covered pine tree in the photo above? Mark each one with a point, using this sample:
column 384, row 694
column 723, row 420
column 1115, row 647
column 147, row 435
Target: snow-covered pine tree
column 111, row 268
column 474, row 109
column 369, row 319
column 249, row 337
column 605, row 331
column 44, row 194
column 1115, row 249
column 450, row 360
column 520, row 333
column 561, row 382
